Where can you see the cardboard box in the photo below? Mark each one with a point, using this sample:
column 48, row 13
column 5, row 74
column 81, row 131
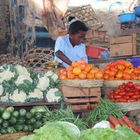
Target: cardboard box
column 121, row 39
column 124, row 49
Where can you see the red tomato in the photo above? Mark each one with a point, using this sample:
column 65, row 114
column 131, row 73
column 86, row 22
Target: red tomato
column 127, row 97
column 132, row 100
column 122, row 93
column 117, row 96
column 130, row 94
column 123, row 100
column 136, row 96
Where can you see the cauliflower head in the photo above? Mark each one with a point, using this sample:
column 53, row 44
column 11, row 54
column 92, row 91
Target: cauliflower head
column 36, row 94
column 52, row 75
column 22, row 70
column 18, row 96
column 43, row 83
column 51, row 95
column 4, row 98
column 6, row 75
column 21, row 78
column 49, row 73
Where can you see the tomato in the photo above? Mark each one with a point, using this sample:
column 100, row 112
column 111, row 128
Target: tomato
column 89, row 107
column 137, row 93
column 122, row 93
column 136, row 96
column 111, row 96
column 137, row 87
column 130, row 94
column 123, row 100
column 130, row 84
column 127, row 97
column 117, row 96
column 132, row 100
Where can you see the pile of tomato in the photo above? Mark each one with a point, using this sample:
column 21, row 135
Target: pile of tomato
column 121, row 70
column 80, row 70
column 127, row 92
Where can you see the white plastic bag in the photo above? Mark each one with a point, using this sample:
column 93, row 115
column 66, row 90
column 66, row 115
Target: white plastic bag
column 102, row 124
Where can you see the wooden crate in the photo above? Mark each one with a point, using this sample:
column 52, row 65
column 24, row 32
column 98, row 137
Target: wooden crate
column 121, row 39
column 124, row 49
column 81, row 98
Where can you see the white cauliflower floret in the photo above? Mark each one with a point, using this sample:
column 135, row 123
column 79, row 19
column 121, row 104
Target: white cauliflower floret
column 51, row 97
column 52, row 75
column 22, row 70
column 1, row 90
column 43, row 83
column 49, row 73
column 36, row 94
column 21, row 79
column 6, row 75
column 4, row 98
column 18, row 96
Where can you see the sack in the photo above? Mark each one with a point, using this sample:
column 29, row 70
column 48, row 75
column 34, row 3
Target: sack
column 52, row 16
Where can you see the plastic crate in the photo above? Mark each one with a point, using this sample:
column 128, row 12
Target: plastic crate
column 94, row 52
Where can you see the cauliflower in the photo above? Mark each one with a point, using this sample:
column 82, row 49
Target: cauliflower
column 22, row 70
column 6, row 75
column 51, row 95
column 43, row 83
column 18, row 96
column 53, row 76
column 1, row 90
column 36, row 94
column 21, row 78
column 49, row 73
column 4, row 98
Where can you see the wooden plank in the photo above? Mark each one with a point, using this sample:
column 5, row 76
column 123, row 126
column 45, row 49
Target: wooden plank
column 83, row 100
column 95, row 92
column 121, row 39
column 75, row 92
column 81, row 107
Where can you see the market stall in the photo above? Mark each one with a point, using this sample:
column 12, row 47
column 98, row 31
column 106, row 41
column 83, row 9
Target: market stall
column 98, row 99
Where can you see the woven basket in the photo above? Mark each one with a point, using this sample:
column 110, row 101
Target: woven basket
column 82, row 83
column 129, row 106
column 14, row 136
column 38, row 57
column 9, row 59
column 86, row 14
column 116, row 83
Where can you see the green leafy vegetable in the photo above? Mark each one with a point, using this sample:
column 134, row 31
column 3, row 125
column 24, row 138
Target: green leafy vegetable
column 121, row 133
column 57, row 131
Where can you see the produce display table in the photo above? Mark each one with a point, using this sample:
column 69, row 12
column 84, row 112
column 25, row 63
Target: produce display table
column 30, row 105
column 129, row 106
column 116, row 83
column 14, row 136
column 81, row 94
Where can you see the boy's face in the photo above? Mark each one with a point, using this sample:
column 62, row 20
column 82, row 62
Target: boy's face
column 78, row 38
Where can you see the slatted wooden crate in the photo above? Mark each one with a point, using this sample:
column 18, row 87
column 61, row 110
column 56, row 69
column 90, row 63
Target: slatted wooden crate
column 81, row 98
